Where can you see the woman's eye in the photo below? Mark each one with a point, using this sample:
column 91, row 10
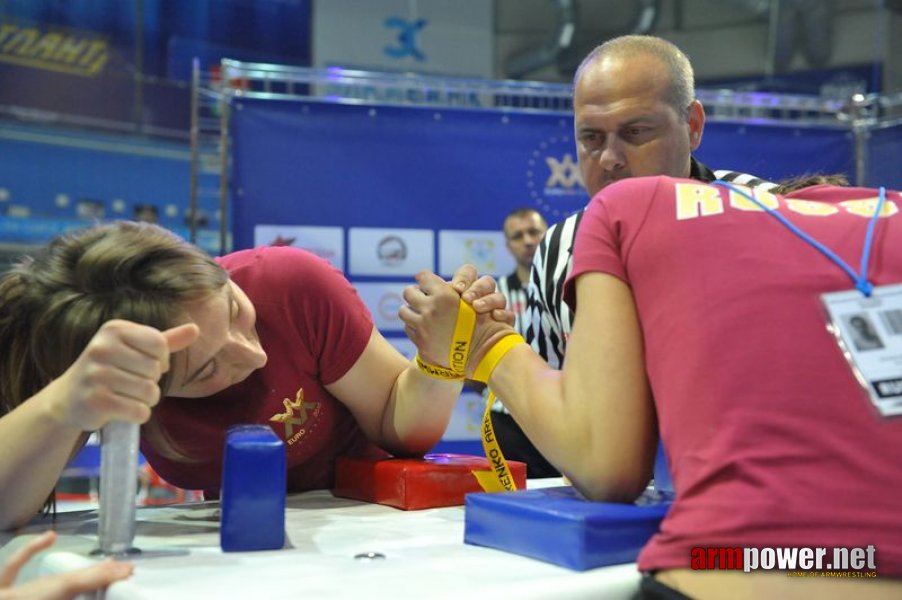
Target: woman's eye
column 208, row 372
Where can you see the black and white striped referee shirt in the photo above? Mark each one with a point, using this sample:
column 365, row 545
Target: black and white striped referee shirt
column 515, row 294
column 550, row 319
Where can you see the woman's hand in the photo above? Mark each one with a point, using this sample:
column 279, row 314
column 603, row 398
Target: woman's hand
column 57, row 587
column 431, row 314
column 116, row 376
column 481, row 294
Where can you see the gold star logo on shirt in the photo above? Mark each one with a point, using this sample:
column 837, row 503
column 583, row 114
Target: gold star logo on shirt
column 295, row 412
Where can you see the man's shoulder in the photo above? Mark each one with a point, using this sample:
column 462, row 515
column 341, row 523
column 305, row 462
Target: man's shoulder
column 700, row 171
column 746, row 179
column 568, row 224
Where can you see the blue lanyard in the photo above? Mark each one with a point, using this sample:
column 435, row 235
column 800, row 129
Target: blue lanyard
column 861, row 281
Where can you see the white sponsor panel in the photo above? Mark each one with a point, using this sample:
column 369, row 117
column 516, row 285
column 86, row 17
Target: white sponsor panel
column 325, row 242
column 425, row 36
column 483, row 249
column 383, row 300
column 391, row 252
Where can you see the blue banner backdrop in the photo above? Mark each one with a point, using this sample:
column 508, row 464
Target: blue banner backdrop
column 384, row 191
column 777, row 152
column 364, row 166
column 353, row 165
column 884, row 149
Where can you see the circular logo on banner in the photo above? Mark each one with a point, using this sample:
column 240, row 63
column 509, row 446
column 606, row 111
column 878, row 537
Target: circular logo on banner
column 391, row 250
column 389, row 305
column 553, row 179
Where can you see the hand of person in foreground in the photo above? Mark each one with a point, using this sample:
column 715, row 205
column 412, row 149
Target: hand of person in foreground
column 431, row 313
column 116, row 376
column 473, row 289
column 57, row 587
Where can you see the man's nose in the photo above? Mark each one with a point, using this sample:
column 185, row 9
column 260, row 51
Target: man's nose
column 612, row 157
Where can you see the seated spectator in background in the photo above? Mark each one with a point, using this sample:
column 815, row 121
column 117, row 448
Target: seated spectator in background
column 57, row 587
column 700, row 317
column 91, row 326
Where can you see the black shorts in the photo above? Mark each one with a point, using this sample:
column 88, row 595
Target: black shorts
column 652, row 589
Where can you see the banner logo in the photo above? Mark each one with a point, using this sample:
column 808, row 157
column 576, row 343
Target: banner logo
column 480, row 252
column 553, row 177
column 407, row 38
column 283, row 241
column 391, row 250
column 564, row 173
column 389, row 305
column 72, row 52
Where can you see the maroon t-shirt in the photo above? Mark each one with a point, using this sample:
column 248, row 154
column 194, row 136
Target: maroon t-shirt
column 770, row 438
column 313, row 327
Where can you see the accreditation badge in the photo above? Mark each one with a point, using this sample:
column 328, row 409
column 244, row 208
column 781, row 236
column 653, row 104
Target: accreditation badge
column 869, row 333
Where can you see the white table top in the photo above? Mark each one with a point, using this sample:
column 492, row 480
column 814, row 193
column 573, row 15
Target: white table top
column 425, row 557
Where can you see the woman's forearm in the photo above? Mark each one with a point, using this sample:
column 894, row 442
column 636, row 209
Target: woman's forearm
column 419, row 411
column 582, row 430
column 34, row 449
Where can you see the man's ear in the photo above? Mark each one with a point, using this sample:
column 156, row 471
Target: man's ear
column 696, row 121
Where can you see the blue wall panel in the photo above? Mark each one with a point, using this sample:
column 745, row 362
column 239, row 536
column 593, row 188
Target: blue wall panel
column 884, row 157
column 346, row 165
column 776, row 152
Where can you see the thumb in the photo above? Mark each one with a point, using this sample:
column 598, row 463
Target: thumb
column 463, row 278
column 179, row 338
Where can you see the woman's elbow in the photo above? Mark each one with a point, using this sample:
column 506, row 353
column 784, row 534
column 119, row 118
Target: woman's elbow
column 621, row 488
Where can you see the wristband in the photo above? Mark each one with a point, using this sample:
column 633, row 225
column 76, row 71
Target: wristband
column 494, row 355
column 436, row 371
column 459, row 351
column 499, row 478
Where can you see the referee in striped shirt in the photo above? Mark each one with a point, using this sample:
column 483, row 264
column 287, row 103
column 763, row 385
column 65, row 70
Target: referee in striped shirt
column 635, row 114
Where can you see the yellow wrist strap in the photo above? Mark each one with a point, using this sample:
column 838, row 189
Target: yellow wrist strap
column 460, row 347
column 494, row 355
column 436, row 371
column 499, row 477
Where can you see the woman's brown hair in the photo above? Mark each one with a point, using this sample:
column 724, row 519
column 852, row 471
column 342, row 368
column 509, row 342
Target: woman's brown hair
column 52, row 304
